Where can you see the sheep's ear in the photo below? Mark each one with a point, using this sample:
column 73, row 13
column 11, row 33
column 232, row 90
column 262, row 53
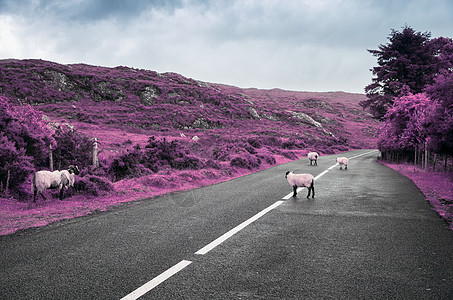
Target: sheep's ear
column 75, row 170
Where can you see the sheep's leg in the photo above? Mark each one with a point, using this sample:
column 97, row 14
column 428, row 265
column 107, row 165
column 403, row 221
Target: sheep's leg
column 294, row 191
column 34, row 195
column 316, row 162
column 310, row 189
column 346, row 167
column 42, row 194
column 61, row 193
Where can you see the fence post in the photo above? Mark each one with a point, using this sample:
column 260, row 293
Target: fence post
column 95, row 153
column 50, row 158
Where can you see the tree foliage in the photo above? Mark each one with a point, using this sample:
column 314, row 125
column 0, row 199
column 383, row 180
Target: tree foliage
column 410, row 59
column 25, row 142
column 23, row 139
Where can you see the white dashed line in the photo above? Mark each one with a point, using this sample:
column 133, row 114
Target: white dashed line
column 236, row 229
column 157, row 280
column 184, row 263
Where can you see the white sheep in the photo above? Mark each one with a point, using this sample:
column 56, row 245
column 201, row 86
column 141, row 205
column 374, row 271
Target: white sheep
column 43, row 180
column 301, row 180
column 313, row 156
column 343, row 161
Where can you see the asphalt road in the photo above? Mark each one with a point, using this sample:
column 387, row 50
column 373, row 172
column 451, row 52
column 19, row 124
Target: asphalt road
column 368, row 234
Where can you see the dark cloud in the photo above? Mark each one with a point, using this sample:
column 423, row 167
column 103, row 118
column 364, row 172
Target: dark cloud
column 292, row 44
column 86, row 10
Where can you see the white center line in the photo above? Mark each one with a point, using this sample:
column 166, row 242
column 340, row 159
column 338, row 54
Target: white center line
column 157, row 280
column 319, row 176
column 236, row 229
column 184, row 263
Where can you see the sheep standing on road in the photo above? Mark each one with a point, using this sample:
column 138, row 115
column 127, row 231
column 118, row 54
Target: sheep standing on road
column 301, row 180
column 313, row 156
column 43, row 180
column 343, row 161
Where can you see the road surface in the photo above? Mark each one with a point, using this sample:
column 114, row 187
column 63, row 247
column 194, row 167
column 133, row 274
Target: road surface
column 367, row 234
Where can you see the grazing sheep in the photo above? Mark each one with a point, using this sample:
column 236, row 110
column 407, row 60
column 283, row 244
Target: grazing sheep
column 301, row 180
column 313, row 156
column 43, row 180
column 343, row 161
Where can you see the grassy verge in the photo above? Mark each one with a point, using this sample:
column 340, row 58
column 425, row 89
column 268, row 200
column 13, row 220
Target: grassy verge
column 436, row 186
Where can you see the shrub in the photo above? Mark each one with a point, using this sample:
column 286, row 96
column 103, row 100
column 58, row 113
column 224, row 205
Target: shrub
column 102, row 183
column 289, row 144
column 186, row 162
column 86, row 186
column 289, row 154
column 210, row 163
column 245, row 161
column 269, row 159
column 127, row 165
column 23, row 141
column 72, row 147
column 271, row 141
column 255, row 143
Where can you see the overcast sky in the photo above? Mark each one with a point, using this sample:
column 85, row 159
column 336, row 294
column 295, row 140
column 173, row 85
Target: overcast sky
column 305, row 45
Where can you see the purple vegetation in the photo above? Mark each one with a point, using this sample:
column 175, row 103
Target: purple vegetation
column 144, row 123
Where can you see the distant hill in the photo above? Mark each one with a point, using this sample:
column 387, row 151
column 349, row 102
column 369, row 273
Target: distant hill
column 102, row 101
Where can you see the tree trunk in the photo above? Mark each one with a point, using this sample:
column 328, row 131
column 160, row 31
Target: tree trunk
column 8, row 177
column 426, row 157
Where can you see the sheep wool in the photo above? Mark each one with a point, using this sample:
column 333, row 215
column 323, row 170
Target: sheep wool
column 342, row 161
column 313, row 157
column 43, row 180
column 301, row 180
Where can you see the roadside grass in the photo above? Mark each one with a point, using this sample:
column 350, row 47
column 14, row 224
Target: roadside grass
column 436, row 186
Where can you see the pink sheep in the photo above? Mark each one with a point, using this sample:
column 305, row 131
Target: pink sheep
column 343, row 161
column 313, row 156
column 43, row 180
column 301, row 180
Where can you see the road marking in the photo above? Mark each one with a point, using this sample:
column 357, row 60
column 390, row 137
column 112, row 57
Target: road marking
column 236, row 229
column 323, row 173
column 319, row 176
column 184, row 263
column 363, row 154
column 331, row 167
column 157, row 280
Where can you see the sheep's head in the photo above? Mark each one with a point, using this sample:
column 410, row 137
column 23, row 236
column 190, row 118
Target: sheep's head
column 74, row 169
column 287, row 172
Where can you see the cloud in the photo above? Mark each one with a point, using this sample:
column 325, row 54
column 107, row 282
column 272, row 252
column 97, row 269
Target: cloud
column 303, row 45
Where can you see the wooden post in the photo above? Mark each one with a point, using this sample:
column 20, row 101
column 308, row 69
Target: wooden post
column 50, row 158
column 95, row 153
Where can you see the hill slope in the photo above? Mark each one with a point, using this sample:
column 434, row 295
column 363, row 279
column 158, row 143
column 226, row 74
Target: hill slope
column 149, row 103
column 159, row 133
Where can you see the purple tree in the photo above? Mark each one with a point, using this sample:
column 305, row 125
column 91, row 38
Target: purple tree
column 410, row 59
column 24, row 142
